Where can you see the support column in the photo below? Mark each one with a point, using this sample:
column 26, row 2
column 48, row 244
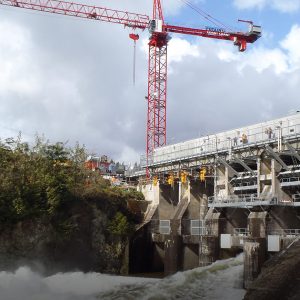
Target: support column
column 257, row 224
column 226, row 182
column 209, row 244
column 208, row 250
column 254, row 257
column 173, row 254
column 273, row 175
column 258, row 177
column 173, row 245
column 179, row 191
column 254, row 246
column 215, row 180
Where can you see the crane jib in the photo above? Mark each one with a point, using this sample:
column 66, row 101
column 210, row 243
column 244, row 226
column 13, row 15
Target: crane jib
column 83, row 11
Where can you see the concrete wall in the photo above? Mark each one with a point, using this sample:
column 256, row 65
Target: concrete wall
column 199, row 192
column 190, row 256
column 168, row 200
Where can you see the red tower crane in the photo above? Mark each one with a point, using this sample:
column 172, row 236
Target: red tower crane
column 158, row 42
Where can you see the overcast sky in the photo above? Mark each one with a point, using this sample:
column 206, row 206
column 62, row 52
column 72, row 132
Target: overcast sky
column 71, row 79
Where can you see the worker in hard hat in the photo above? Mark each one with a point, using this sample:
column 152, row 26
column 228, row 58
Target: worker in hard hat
column 244, row 138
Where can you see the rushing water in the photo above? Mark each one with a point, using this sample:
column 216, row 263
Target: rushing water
column 221, row 280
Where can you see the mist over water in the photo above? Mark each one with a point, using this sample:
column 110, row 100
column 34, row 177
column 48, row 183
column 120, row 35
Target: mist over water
column 221, row 280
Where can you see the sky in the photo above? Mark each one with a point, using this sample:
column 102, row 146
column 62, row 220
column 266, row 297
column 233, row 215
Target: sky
column 70, row 79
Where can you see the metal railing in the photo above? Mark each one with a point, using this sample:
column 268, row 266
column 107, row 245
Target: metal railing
column 245, row 200
column 232, row 199
column 241, row 231
column 290, row 179
column 245, row 184
column 295, row 200
column 296, row 197
column 285, row 232
column 225, row 141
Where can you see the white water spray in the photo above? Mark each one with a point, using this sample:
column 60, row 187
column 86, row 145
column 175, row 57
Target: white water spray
column 221, row 280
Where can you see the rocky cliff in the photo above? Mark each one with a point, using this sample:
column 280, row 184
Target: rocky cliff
column 82, row 238
column 279, row 278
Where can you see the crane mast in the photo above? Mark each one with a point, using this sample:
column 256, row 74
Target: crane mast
column 158, row 43
column 157, row 83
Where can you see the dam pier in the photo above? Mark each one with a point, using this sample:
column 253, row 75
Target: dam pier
column 219, row 195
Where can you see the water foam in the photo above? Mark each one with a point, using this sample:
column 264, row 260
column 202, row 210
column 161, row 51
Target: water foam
column 221, row 280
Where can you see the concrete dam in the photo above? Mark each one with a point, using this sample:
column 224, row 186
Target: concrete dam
column 216, row 196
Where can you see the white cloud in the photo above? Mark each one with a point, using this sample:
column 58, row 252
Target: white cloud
column 179, row 48
column 286, row 6
column 283, row 59
column 245, row 4
column 262, row 59
column 292, row 45
column 17, row 74
column 128, row 154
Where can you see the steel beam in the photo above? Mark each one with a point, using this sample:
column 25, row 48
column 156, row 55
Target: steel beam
column 293, row 150
column 277, row 157
column 242, row 163
column 226, row 164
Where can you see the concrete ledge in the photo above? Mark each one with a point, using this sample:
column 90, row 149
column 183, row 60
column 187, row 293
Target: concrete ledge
column 191, row 239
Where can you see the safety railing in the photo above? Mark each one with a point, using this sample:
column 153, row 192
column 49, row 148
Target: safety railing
column 240, row 201
column 285, row 232
column 223, row 142
column 289, row 179
column 296, row 197
column 244, row 184
column 198, row 227
column 233, row 199
column 241, row 231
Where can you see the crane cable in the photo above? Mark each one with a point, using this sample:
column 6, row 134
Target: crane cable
column 134, row 61
column 205, row 15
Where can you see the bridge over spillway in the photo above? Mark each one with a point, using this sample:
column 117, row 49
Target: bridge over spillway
column 220, row 194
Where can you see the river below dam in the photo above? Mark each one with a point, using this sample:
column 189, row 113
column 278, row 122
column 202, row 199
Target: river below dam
column 221, row 280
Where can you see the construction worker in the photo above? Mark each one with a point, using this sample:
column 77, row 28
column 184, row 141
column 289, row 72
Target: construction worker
column 269, row 132
column 235, row 141
column 244, row 138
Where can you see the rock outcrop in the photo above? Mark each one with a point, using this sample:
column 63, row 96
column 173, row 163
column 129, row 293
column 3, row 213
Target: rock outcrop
column 279, row 278
column 78, row 240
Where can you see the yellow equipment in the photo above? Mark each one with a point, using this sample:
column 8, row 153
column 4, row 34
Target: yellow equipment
column 155, row 180
column 183, row 177
column 170, row 179
column 202, row 174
